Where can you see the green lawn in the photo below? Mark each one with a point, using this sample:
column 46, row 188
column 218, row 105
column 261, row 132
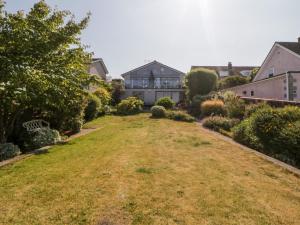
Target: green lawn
column 137, row 170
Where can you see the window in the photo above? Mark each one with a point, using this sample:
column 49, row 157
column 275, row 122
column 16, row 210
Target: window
column 252, row 93
column 137, row 83
column 284, row 88
column 244, row 92
column 285, row 96
column 127, row 83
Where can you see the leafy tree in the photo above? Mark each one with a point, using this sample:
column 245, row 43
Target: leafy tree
column 232, row 81
column 253, row 73
column 200, row 82
column 117, row 91
column 42, row 64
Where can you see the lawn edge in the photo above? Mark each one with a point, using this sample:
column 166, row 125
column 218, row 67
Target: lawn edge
column 277, row 162
column 18, row 158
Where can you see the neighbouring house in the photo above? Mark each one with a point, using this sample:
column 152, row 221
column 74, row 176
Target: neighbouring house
column 225, row 71
column 98, row 68
column 279, row 76
column 154, row 81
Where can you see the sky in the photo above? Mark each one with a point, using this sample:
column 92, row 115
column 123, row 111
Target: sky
column 180, row 33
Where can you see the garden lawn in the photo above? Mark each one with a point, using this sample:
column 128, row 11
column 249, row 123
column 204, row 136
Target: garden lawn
column 137, row 170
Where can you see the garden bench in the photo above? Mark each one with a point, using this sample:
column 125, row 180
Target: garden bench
column 35, row 125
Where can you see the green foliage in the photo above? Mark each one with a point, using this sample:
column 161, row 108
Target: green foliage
column 166, row 102
column 116, row 93
column 42, row 64
column 42, row 137
column 74, row 124
column 253, row 73
column 195, row 106
column 234, row 106
column 130, row 106
column 200, row 82
column 213, row 107
column 158, row 111
column 252, row 108
column 287, row 143
column 272, row 131
column 8, row 151
column 268, row 122
column 244, row 134
column 232, row 81
column 180, row 116
column 93, row 107
column 103, row 95
column 218, row 123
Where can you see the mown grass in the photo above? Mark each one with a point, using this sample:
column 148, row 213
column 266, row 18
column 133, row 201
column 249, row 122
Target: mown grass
column 137, row 170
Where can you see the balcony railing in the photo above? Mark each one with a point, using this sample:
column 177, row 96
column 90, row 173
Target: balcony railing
column 157, row 83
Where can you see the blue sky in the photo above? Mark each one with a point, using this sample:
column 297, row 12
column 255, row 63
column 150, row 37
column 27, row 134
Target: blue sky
column 181, row 33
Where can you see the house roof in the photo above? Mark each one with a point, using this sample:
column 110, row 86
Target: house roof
column 225, row 68
column 148, row 64
column 100, row 60
column 293, row 46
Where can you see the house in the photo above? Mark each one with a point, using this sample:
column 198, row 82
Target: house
column 225, row 71
column 154, row 81
column 97, row 67
column 279, row 76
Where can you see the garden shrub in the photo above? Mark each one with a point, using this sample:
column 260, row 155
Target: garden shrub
column 252, row 108
column 166, row 102
column 235, row 109
column 200, row 82
column 158, row 111
column 275, row 132
column 218, row 123
column 195, row 106
column 288, row 143
column 74, row 125
column 8, row 150
column 234, row 106
column 42, row 137
column 268, row 122
column 232, row 81
column 103, row 95
column 244, row 134
column 93, row 107
column 129, row 106
column 180, row 116
column 213, row 108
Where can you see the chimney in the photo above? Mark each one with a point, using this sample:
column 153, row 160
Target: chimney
column 229, row 66
column 299, row 40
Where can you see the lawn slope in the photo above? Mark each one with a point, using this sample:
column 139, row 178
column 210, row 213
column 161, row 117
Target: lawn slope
column 137, row 170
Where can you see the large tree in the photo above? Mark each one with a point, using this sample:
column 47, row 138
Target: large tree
column 43, row 64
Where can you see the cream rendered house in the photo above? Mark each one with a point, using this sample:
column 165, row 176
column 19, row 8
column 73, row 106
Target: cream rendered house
column 154, row 81
column 98, row 68
column 279, row 75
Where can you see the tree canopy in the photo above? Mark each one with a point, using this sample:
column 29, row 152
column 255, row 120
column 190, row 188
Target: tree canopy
column 43, row 64
column 200, row 82
column 232, row 81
